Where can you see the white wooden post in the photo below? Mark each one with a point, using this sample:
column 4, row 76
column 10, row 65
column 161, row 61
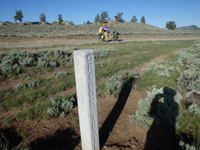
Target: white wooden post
column 86, row 93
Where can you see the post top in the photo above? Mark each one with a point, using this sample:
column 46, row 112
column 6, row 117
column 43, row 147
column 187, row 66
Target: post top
column 83, row 52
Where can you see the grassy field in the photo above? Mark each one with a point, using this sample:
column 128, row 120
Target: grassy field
column 39, row 85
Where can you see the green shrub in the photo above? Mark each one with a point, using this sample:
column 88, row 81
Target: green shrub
column 162, row 68
column 190, row 77
column 186, row 146
column 102, row 52
column 60, row 106
column 30, row 84
column 194, row 108
column 43, row 62
column 15, row 62
column 115, row 84
column 60, row 74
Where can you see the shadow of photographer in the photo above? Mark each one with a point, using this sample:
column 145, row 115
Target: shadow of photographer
column 162, row 133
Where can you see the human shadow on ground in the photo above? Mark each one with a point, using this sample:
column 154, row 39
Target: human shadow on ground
column 60, row 140
column 9, row 138
column 162, row 133
column 113, row 116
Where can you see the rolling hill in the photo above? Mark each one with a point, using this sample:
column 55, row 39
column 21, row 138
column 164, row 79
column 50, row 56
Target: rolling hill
column 192, row 27
column 54, row 30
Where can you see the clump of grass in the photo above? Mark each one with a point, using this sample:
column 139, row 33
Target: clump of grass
column 32, row 95
column 36, row 111
column 149, row 79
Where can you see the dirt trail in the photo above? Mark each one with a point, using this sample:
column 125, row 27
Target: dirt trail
column 124, row 134
column 38, row 42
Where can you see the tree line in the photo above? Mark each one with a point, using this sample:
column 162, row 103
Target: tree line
column 19, row 17
column 102, row 17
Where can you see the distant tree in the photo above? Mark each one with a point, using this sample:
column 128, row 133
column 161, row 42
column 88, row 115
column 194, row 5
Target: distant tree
column 88, row 22
column 60, row 19
column 97, row 18
column 171, row 25
column 18, row 16
column 71, row 23
column 134, row 19
column 42, row 17
column 104, row 16
column 143, row 20
column 119, row 18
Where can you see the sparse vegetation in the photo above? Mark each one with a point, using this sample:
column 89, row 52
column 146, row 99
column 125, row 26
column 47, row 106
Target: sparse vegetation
column 36, row 84
column 56, row 30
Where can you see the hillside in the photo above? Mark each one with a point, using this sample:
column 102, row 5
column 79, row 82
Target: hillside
column 48, row 30
column 192, row 27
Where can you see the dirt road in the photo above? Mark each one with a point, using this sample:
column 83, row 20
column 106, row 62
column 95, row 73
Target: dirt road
column 40, row 42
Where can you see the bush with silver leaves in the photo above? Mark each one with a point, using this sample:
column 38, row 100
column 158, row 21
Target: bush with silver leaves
column 115, row 84
column 61, row 74
column 29, row 84
column 60, row 106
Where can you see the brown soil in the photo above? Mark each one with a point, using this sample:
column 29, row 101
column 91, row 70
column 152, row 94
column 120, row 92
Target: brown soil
column 124, row 129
